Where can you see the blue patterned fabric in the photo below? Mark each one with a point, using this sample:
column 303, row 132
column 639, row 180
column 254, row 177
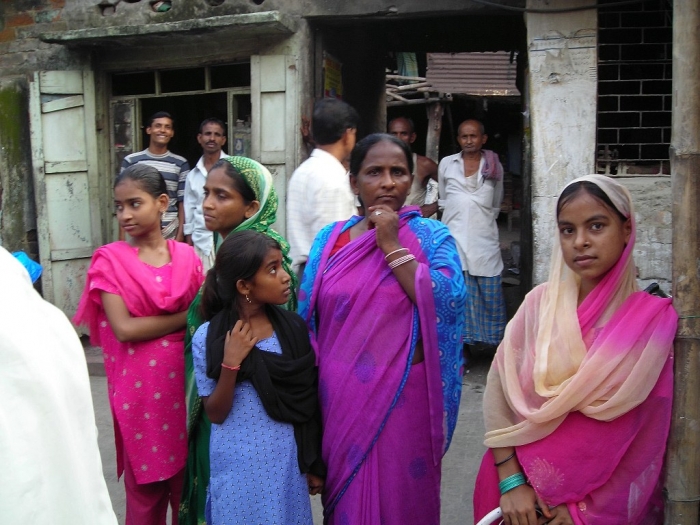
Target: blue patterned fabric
column 449, row 296
column 255, row 474
column 486, row 310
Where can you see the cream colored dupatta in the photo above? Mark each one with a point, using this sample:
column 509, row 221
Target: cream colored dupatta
column 544, row 368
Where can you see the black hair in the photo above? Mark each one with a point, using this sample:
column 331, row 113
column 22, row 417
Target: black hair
column 332, row 118
column 239, row 257
column 212, row 121
column 359, row 152
column 159, row 114
column 591, row 188
column 146, row 177
column 239, row 183
column 411, row 125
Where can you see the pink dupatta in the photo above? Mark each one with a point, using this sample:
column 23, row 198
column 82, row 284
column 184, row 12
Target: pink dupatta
column 584, row 394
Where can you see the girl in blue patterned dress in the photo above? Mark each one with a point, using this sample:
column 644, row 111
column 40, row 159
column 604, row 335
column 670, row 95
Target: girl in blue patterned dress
column 256, row 375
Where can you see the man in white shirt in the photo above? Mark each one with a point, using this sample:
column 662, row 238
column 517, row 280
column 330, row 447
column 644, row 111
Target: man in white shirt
column 319, row 190
column 471, row 190
column 211, row 137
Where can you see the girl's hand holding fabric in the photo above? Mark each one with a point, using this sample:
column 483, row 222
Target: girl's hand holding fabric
column 239, row 342
column 561, row 516
column 518, row 506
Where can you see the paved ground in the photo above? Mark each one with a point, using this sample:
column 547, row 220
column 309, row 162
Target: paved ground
column 459, row 465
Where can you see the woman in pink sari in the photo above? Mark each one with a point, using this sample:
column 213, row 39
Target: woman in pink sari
column 578, row 399
column 135, row 304
column 384, row 297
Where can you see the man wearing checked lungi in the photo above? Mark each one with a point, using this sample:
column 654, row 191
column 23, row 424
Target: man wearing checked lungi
column 470, row 186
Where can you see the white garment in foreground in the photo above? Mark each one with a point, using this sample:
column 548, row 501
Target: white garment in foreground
column 52, row 473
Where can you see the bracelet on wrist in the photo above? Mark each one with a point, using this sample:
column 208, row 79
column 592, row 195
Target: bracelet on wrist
column 232, row 368
column 504, row 461
column 511, row 482
column 386, row 257
column 401, row 260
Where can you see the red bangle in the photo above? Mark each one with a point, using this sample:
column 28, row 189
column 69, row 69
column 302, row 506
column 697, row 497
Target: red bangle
column 234, row 368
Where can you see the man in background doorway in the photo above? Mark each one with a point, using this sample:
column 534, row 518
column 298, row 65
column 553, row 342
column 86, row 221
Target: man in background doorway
column 319, row 189
column 160, row 130
column 425, row 170
column 212, row 138
column 471, row 191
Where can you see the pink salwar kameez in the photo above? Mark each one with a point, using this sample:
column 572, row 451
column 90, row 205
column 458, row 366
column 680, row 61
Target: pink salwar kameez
column 145, row 378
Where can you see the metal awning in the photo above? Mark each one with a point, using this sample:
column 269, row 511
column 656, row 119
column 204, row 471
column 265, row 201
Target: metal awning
column 228, row 26
column 481, row 74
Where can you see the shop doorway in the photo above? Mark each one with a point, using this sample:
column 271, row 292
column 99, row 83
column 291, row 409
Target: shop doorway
column 371, row 53
column 190, row 96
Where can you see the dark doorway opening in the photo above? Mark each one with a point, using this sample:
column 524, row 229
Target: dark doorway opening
column 188, row 111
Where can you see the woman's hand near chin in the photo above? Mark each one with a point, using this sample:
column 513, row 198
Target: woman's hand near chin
column 386, row 221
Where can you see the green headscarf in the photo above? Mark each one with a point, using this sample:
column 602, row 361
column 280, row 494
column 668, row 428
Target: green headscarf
column 259, row 178
column 193, row 499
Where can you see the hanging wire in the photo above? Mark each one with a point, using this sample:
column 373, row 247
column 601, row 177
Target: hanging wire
column 560, row 10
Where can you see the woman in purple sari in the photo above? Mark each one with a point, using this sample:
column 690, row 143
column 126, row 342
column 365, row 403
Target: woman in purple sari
column 384, row 298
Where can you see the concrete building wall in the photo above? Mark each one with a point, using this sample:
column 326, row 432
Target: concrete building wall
column 563, row 84
column 563, row 99
column 17, row 212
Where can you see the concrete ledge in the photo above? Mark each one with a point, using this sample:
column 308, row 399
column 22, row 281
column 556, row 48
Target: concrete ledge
column 244, row 25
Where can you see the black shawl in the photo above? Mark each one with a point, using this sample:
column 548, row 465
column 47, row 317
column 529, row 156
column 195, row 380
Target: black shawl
column 287, row 383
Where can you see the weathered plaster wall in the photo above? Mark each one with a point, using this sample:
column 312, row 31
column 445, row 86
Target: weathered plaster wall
column 21, row 50
column 652, row 252
column 100, row 13
column 17, row 214
column 563, row 83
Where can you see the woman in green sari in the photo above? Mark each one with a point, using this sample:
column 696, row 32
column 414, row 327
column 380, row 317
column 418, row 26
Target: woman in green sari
column 238, row 195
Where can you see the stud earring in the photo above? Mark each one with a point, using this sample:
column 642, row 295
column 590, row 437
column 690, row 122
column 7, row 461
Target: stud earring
column 247, row 298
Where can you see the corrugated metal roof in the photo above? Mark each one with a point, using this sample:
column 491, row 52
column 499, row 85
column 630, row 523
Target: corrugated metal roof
column 484, row 74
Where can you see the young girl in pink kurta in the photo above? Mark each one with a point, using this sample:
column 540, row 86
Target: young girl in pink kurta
column 135, row 303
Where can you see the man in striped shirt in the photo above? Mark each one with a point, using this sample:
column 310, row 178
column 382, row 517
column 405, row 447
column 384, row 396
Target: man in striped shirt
column 160, row 130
